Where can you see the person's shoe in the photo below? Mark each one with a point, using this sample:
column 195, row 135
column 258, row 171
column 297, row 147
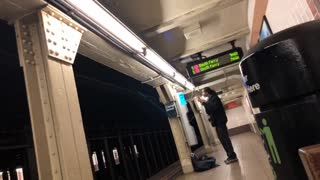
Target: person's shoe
column 231, row 160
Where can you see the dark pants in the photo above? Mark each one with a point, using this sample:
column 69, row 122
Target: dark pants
column 224, row 138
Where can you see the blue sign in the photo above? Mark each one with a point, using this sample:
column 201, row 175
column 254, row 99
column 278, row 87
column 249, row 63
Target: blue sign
column 182, row 99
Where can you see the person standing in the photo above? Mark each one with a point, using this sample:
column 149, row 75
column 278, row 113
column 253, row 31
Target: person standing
column 218, row 119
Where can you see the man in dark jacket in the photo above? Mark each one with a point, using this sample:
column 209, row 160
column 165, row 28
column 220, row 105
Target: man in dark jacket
column 218, row 118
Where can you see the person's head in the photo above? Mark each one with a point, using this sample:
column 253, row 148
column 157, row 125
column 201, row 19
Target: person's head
column 207, row 92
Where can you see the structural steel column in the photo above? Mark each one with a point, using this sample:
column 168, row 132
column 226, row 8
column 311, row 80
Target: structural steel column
column 47, row 43
column 166, row 94
column 204, row 135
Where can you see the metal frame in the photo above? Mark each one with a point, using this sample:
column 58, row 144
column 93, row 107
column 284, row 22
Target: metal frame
column 124, row 161
column 158, row 149
column 58, row 133
column 110, row 165
column 138, row 137
column 135, row 157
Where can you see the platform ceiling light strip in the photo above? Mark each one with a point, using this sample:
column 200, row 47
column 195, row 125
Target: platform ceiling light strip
column 181, row 79
column 110, row 24
column 190, row 86
column 104, row 19
column 157, row 61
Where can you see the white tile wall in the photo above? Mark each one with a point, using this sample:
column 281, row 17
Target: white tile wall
column 283, row 14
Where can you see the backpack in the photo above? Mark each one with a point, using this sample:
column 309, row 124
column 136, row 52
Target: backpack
column 202, row 163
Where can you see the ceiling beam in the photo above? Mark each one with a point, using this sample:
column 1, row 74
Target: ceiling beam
column 97, row 49
column 218, row 41
column 210, row 7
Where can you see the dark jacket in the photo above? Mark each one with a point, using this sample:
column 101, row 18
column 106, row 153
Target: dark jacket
column 215, row 110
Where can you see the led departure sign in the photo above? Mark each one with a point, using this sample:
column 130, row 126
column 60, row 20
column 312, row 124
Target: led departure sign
column 215, row 62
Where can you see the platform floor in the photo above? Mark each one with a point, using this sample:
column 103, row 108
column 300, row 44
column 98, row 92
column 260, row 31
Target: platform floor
column 253, row 163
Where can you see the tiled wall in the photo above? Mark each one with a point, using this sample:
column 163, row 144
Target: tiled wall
column 283, row 14
column 314, row 6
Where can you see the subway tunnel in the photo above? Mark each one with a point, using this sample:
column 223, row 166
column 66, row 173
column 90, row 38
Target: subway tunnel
column 99, row 89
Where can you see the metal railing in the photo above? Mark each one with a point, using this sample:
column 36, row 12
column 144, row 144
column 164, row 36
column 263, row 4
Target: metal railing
column 132, row 155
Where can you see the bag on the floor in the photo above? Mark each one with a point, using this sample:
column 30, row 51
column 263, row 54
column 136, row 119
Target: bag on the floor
column 202, row 163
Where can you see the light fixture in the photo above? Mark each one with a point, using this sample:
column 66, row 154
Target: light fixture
column 178, row 77
column 157, row 61
column 103, row 19
column 190, row 86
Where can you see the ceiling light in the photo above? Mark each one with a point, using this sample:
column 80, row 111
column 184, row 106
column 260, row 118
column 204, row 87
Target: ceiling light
column 96, row 13
column 180, row 78
column 103, row 18
column 159, row 62
column 190, row 86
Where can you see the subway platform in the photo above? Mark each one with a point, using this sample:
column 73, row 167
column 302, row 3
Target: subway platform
column 252, row 165
column 253, row 162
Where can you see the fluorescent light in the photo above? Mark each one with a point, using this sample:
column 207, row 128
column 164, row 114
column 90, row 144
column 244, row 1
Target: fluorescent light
column 106, row 20
column 103, row 18
column 190, row 86
column 160, row 63
column 181, row 79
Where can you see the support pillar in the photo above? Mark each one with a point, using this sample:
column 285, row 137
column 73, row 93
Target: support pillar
column 204, row 135
column 47, row 43
column 166, row 93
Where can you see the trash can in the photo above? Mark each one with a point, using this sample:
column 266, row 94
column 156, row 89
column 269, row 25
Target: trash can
column 282, row 77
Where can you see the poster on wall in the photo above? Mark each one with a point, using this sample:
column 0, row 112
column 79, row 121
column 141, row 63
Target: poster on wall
column 265, row 30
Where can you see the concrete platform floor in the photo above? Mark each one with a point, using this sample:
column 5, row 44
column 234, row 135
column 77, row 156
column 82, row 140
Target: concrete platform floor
column 253, row 163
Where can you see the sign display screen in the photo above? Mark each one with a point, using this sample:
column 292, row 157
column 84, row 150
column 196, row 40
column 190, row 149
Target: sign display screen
column 182, row 99
column 215, row 62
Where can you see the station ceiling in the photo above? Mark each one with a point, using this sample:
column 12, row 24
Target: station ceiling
column 175, row 29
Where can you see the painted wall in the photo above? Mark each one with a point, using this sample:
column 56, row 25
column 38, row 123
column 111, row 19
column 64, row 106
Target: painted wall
column 283, row 14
